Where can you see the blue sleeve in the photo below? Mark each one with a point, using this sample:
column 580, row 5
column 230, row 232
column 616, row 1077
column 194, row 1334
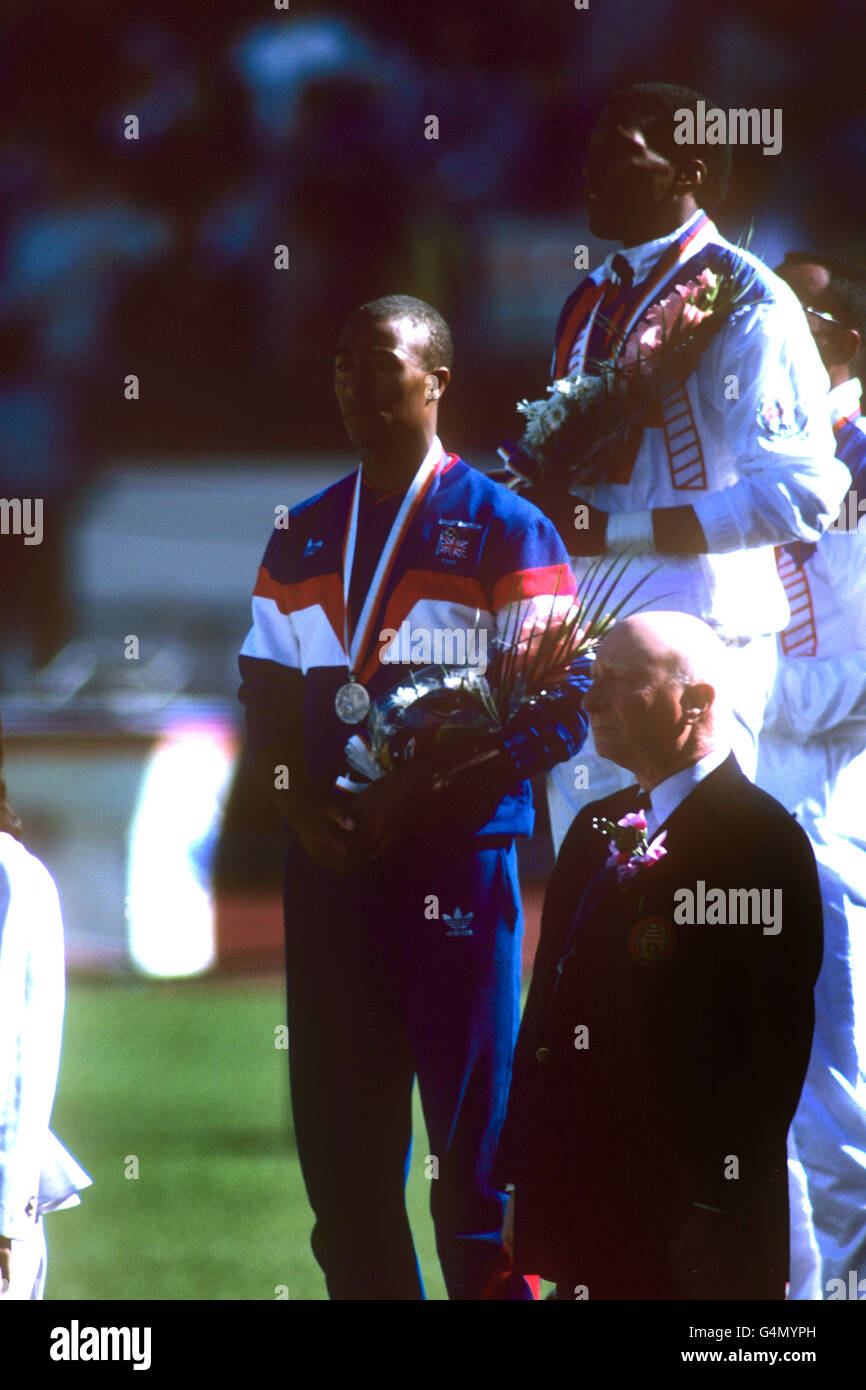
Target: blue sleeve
column 552, row 727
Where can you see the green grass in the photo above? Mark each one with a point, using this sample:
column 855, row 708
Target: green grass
column 185, row 1078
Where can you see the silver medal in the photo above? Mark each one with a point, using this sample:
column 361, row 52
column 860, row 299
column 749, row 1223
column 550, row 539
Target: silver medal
column 352, row 702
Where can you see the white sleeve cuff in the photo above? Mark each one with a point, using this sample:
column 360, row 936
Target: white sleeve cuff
column 630, row 529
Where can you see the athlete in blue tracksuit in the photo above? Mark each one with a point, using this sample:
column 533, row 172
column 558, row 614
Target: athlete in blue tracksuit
column 403, row 920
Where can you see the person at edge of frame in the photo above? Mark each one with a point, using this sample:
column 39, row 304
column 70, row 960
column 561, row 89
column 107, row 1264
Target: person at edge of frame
column 812, row 758
column 37, row 1174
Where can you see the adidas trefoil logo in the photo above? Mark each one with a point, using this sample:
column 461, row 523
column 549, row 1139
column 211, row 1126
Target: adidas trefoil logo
column 458, row 924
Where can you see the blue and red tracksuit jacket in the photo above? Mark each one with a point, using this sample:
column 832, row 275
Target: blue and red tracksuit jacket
column 472, row 551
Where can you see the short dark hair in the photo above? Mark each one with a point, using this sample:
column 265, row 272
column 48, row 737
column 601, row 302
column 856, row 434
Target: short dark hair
column 439, row 349
column 845, row 296
column 8, row 819
column 652, row 108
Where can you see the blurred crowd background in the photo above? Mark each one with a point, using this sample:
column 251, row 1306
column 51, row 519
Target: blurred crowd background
column 307, row 127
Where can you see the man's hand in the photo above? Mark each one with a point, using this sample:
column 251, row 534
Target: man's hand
column 326, row 829
column 5, row 1264
column 534, row 631
column 392, row 808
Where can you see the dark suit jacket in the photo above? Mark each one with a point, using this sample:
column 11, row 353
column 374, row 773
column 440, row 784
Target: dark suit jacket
column 696, row 1045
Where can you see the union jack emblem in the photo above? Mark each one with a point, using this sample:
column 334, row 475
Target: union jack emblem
column 451, row 544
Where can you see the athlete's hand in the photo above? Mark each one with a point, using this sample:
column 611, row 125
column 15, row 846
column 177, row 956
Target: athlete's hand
column 326, row 829
column 392, row 808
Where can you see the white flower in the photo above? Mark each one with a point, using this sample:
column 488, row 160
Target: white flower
column 557, row 413
column 404, row 696
column 544, row 418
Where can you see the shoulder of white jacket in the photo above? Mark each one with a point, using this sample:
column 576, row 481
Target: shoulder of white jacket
column 25, row 869
column 769, row 280
column 776, row 290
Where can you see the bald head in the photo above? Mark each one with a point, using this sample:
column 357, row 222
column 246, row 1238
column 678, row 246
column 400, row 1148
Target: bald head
column 687, row 647
column 659, row 698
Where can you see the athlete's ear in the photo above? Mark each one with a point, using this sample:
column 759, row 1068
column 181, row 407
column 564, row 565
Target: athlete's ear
column 852, row 342
column 692, row 173
column 435, row 383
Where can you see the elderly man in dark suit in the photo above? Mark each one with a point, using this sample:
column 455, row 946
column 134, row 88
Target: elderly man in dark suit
column 668, row 1026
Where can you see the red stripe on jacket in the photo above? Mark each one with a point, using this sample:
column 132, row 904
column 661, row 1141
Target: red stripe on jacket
column 324, row 591
column 583, row 307
column 523, row 584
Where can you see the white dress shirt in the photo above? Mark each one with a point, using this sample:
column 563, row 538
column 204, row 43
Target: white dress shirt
column 669, row 794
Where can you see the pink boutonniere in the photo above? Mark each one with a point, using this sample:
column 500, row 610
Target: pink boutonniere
column 629, row 847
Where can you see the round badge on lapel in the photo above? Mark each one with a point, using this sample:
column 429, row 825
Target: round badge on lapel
column 651, row 941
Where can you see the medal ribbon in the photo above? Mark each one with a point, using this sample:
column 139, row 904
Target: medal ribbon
column 416, row 494
column 670, row 260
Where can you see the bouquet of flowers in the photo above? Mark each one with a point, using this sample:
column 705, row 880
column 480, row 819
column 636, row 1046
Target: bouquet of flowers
column 570, row 436
column 433, row 708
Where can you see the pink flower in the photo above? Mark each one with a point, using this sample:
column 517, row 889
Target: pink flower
column 699, row 294
column 656, row 850
column 627, row 865
column 662, row 321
